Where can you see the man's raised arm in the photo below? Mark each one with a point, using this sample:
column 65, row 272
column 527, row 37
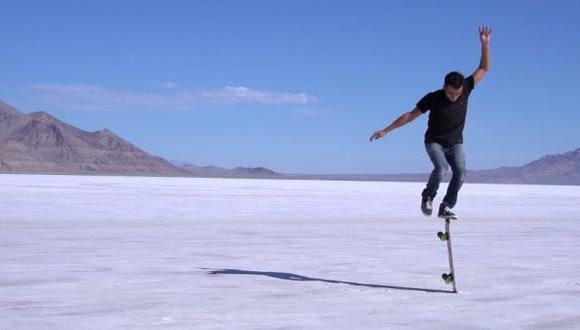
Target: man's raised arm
column 484, row 36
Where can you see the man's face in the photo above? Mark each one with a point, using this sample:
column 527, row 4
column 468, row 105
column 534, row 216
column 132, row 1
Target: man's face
column 453, row 94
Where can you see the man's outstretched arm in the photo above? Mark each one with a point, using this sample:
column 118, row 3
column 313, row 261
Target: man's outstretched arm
column 402, row 120
column 484, row 36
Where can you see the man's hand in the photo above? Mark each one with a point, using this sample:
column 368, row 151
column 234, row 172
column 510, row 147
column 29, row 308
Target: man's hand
column 484, row 34
column 377, row 135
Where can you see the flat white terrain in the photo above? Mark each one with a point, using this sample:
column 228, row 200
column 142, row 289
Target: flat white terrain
column 131, row 252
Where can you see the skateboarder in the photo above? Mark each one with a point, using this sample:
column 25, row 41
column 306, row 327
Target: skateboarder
column 444, row 136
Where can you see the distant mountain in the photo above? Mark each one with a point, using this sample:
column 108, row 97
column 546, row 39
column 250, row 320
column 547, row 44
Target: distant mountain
column 238, row 172
column 259, row 171
column 204, row 171
column 561, row 169
column 551, row 169
column 40, row 143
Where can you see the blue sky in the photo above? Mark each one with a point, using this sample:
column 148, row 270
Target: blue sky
column 296, row 86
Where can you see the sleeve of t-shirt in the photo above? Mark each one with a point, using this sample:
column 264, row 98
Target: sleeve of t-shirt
column 469, row 84
column 425, row 103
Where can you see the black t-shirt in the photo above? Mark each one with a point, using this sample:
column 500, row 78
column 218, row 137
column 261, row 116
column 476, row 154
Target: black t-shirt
column 446, row 118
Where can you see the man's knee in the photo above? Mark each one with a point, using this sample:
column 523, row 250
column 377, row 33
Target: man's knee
column 440, row 171
column 459, row 172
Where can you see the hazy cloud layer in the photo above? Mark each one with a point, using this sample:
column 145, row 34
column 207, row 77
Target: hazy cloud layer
column 97, row 98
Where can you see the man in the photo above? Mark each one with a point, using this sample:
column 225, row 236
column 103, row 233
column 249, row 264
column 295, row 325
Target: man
column 444, row 136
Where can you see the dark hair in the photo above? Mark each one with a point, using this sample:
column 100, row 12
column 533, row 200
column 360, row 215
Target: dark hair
column 454, row 79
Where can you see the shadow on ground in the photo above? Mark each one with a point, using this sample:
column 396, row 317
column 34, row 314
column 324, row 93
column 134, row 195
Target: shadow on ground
column 296, row 277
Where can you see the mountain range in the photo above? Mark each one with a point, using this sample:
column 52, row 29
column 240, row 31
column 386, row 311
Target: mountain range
column 559, row 169
column 40, row 143
column 551, row 169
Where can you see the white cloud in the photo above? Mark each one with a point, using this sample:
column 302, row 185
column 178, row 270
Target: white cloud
column 169, row 85
column 231, row 94
column 97, row 98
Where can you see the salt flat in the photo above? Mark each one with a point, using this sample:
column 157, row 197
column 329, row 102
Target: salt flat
column 130, row 252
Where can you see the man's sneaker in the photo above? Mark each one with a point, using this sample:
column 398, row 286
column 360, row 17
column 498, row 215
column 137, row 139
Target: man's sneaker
column 427, row 206
column 445, row 212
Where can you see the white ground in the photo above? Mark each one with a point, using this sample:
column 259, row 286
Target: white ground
column 119, row 252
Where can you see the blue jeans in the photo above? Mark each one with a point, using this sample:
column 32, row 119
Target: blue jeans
column 442, row 158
